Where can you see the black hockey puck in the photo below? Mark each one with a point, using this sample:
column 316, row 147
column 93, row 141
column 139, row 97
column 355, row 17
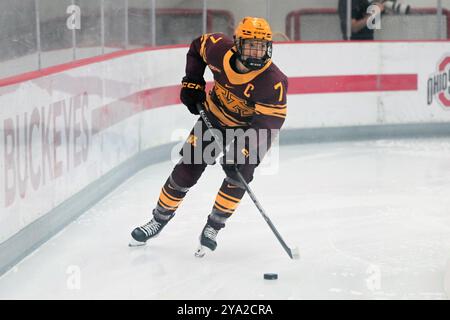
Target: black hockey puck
column 270, row 276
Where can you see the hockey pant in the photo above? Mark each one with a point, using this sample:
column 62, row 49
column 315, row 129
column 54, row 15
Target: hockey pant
column 189, row 169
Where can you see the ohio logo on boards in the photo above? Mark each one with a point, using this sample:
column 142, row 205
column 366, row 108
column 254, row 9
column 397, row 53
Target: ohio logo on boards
column 438, row 84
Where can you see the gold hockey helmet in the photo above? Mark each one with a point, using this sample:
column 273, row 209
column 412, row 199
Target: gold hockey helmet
column 253, row 40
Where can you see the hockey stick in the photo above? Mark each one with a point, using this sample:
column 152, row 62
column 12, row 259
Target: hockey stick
column 293, row 253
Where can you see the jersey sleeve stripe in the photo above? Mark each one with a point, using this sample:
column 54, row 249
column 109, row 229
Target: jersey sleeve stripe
column 278, row 112
column 283, row 116
column 203, row 46
column 267, row 105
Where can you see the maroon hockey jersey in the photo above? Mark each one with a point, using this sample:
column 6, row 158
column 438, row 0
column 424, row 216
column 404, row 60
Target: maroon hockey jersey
column 255, row 99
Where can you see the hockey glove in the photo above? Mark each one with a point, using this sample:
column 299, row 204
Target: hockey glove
column 192, row 92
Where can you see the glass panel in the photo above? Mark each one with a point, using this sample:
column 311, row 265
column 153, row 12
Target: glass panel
column 178, row 22
column 139, row 23
column 310, row 20
column 445, row 26
column 224, row 15
column 88, row 37
column 409, row 20
column 114, row 25
column 56, row 37
column 289, row 19
column 18, row 41
column 219, row 20
column 319, row 19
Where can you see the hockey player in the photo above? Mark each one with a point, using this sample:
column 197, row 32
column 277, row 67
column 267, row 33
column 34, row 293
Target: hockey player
column 249, row 93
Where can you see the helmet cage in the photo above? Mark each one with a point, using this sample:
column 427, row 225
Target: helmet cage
column 258, row 55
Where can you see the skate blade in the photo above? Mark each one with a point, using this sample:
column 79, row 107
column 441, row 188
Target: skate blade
column 201, row 251
column 135, row 243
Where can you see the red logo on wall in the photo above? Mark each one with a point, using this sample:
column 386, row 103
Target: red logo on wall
column 438, row 85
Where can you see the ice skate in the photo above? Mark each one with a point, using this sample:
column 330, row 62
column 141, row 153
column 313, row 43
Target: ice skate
column 207, row 241
column 141, row 234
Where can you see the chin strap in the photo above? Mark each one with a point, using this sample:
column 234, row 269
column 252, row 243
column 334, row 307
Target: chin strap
column 254, row 64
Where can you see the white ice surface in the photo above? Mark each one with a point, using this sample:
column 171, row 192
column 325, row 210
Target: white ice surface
column 371, row 220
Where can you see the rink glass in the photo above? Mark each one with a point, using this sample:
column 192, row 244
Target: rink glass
column 35, row 35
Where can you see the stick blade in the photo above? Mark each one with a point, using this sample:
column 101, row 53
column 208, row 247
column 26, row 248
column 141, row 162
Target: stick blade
column 295, row 253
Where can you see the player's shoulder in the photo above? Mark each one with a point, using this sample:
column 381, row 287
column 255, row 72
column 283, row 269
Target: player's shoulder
column 217, row 40
column 213, row 47
column 271, row 86
column 274, row 73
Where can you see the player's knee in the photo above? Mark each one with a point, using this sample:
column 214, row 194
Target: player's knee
column 196, row 156
column 246, row 172
column 187, row 175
